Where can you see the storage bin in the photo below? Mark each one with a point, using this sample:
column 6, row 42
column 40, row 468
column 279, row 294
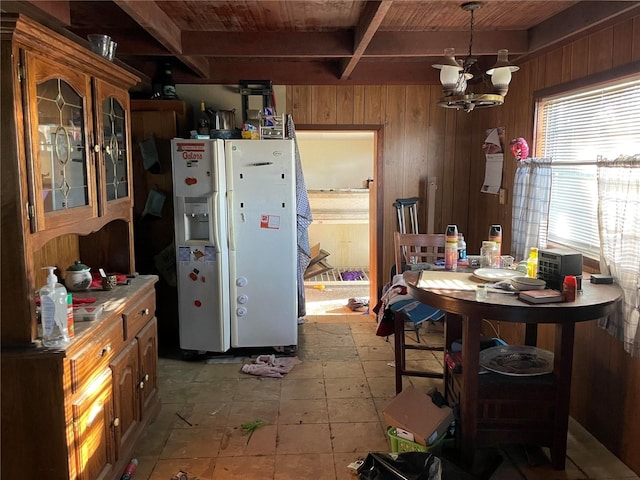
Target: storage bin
column 399, row 444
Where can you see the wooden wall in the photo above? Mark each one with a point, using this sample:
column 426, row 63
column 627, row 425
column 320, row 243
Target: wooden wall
column 423, row 141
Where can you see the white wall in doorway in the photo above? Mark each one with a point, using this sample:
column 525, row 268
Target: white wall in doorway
column 338, row 161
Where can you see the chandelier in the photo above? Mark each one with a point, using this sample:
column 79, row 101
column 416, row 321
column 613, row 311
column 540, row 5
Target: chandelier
column 454, row 75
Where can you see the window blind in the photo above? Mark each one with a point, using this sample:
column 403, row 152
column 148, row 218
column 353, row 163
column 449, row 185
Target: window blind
column 574, row 130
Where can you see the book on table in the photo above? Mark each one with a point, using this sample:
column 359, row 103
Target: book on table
column 546, row 295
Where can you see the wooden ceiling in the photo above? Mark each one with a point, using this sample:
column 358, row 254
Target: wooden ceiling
column 319, row 41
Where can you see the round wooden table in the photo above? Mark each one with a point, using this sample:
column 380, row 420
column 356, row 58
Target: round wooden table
column 497, row 408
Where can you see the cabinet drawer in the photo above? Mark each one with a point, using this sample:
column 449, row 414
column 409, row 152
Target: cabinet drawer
column 135, row 318
column 95, row 356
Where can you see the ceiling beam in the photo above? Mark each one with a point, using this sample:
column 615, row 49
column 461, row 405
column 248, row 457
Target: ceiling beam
column 370, row 21
column 340, row 44
column 583, row 16
column 151, row 17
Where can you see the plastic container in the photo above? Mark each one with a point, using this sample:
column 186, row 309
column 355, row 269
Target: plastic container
column 495, row 235
column 53, row 308
column 532, row 263
column 399, row 444
column 451, row 248
column 569, row 288
column 462, row 247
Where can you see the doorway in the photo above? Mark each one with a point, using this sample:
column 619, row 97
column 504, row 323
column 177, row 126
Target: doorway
column 340, row 171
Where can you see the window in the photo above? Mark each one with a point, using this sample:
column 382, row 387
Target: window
column 574, row 129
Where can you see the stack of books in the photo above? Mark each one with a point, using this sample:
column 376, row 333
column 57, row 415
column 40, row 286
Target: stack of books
column 546, row 295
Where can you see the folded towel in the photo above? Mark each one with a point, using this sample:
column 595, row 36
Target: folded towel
column 270, row 366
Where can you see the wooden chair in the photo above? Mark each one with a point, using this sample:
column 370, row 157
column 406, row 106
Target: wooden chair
column 413, row 249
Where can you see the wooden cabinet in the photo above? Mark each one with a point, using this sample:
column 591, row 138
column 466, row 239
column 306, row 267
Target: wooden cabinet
column 66, row 165
column 66, row 193
column 84, row 406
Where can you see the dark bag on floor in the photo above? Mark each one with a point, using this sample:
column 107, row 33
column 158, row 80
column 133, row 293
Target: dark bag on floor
column 411, row 466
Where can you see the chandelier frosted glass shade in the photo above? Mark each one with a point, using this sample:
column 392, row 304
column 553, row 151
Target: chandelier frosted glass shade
column 454, row 75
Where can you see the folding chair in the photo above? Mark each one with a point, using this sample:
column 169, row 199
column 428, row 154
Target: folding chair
column 414, row 249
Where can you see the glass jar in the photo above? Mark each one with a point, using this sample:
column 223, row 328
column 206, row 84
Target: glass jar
column 489, row 257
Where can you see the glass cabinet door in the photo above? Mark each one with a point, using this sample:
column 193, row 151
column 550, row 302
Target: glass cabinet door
column 63, row 169
column 60, row 168
column 115, row 149
column 111, row 129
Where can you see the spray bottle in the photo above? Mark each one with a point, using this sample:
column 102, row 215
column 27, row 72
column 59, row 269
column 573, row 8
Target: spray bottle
column 53, row 305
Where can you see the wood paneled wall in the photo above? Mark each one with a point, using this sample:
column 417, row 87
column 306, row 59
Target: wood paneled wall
column 423, row 141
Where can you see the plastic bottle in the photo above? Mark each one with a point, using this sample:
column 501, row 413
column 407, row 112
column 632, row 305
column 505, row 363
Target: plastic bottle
column 462, row 247
column 53, row 305
column 495, row 235
column 451, row 248
column 70, row 325
column 532, row 263
column 569, row 287
column 130, row 470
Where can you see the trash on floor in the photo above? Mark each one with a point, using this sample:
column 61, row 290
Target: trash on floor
column 251, row 427
column 358, row 304
column 270, row 366
column 351, row 275
column 180, row 475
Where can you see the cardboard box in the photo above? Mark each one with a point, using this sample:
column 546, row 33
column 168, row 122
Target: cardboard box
column 416, row 413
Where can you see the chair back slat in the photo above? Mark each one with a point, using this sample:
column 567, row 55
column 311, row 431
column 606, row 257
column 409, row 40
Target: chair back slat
column 412, row 248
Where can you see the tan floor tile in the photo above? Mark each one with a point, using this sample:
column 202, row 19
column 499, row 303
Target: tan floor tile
column 200, row 468
column 258, row 388
column 242, row 412
column 383, row 386
column 216, row 391
column 193, row 442
column 382, row 352
column 295, row 412
column 534, row 464
column 215, row 371
column 328, row 339
column 342, row 370
column 368, row 339
column 328, row 353
column 179, row 370
column 379, row 368
column 171, row 391
column 355, row 437
column 151, row 443
column 364, row 327
column 351, row 410
column 347, row 388
column 302, row 388
column 245, row 468
column 236, row 442
column 307, row 369
column 202, row 415
column 334, row 328
column 307, row 438
column 318, row 466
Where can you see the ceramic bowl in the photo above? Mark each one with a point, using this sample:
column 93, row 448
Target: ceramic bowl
column 528, row 283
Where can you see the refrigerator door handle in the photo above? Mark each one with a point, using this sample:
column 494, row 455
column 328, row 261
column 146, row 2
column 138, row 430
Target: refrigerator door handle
column 232, row 237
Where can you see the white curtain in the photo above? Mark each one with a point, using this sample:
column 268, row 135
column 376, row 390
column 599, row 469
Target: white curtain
column 619, row 226
column 531, row 194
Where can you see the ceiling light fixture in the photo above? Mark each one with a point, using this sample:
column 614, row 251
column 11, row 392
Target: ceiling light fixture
column 454, row 75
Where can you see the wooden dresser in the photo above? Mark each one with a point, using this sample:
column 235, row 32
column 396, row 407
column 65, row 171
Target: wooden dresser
column 67, row 194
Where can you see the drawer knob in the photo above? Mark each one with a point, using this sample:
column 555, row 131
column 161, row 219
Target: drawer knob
column 146, row 377
column 106, row 350
column 116, row 422
column 141, row 385
column 145, row 311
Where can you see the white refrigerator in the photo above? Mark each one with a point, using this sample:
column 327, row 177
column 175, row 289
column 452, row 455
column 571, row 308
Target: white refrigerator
column 236, row 251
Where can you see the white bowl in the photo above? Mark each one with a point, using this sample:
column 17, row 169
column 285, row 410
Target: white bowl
column 528, row 283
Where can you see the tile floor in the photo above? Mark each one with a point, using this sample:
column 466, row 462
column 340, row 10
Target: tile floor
column 323, row 415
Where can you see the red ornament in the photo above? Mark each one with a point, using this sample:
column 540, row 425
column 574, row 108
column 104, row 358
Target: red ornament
column 520, row 148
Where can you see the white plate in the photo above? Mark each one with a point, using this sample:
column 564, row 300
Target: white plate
column 517, row 360
column 495, row 274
